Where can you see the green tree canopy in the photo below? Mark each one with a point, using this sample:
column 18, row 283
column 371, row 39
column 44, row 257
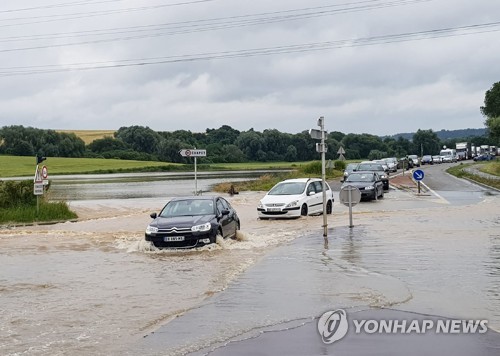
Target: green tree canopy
column 491, row 106
column 426, row 141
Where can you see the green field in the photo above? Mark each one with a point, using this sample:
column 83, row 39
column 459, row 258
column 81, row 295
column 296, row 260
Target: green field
column 17, row 166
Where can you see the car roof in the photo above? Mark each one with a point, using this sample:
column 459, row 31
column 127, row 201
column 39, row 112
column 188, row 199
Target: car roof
column 364, row 172
column 299, row 180
column 197, row 197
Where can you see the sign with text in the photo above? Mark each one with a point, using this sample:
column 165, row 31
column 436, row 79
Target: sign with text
column 193, row 153
column 38, row 189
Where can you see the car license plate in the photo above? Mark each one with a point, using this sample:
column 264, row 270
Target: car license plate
column 273, row 209
column 173, row 238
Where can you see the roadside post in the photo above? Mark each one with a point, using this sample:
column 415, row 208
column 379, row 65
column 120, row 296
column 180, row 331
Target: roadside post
column 350, row 196
column 418, row 175
column 321, row 148
column 195, row 153
column 39, row 180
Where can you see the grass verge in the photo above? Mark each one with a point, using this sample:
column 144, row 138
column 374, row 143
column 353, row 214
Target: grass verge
column 491, row 168
column 47, row 212
column 267, row 181
column 460, row 172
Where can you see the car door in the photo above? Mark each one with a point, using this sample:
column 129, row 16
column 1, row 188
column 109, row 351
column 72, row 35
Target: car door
column 316, row 204
column 227, row 222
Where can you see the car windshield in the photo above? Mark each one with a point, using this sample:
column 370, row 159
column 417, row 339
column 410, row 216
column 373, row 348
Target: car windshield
column 288, row 188
column 358, row 177
column 370, row 167
column 188, row 208
column 350, row 167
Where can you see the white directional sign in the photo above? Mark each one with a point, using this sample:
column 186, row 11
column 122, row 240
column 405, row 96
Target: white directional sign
column 315, row 134
column 38, row 188
column 341, row 151
column 193, row 153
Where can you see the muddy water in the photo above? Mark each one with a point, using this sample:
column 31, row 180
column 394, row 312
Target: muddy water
column 95, row 287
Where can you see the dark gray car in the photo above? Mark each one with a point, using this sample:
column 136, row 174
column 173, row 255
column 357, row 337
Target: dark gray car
column 374, row 167
column 369, row 184
column 192, row 221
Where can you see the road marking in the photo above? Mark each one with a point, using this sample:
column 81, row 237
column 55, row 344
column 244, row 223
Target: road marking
column 443, row 200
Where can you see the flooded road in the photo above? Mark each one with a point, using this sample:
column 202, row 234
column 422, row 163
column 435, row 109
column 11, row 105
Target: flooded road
column 95, row 287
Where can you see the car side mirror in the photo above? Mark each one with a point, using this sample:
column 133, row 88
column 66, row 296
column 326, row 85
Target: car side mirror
column 153, row 215
column 225, row 212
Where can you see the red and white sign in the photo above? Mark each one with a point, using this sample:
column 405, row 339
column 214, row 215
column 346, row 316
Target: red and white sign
column 193, row 153
column 45, row 172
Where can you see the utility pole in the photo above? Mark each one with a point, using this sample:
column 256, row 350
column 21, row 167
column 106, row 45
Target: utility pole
column 321, row 147
column 321, row 124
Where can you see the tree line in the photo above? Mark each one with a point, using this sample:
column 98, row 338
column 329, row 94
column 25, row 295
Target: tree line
column 223, row 145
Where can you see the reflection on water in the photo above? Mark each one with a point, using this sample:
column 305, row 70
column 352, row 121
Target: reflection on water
column 129, row 186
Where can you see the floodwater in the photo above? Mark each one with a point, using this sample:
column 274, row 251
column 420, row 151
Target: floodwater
column 95, row 287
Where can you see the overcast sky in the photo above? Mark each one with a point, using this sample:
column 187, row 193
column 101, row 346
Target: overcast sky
column 261, row 64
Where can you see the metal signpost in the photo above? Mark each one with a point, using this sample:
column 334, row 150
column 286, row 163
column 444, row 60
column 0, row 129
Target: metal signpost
column 39, row 180
column 350, row 196
column 195, row 153
column 321, row 147
column 418, row 175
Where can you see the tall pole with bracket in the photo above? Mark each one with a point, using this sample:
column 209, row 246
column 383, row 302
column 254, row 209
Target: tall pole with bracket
column 321, row 148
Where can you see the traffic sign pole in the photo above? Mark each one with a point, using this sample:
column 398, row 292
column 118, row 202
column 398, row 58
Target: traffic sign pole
column 195, row 177
column 350, row 209
column 418, row 175
column 195, row 154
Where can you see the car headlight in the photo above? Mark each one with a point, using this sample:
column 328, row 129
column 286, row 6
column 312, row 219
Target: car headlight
column 383, row 176
column 200, row 228
column 260, row 206
column 292, row 204
column 370, row 187
column 151, row 230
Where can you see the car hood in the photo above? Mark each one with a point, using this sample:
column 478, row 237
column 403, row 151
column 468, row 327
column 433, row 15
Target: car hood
column 182, row 221
column 280, row 199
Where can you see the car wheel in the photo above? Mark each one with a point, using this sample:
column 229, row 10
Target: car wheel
column 236, row 229
column 303, row 210
column 329, row 207
column 219, row 235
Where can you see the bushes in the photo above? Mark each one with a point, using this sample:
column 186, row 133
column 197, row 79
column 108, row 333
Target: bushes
column 14, row 193
column 18, row 204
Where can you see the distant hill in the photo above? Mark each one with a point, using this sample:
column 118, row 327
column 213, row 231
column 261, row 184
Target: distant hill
column 447, row 134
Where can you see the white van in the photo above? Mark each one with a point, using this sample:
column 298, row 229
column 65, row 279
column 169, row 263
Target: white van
column 448, row 155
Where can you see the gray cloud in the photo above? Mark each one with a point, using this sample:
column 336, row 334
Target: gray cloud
column 379, row 89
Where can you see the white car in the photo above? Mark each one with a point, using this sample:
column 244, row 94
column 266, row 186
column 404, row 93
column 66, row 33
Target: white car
column 293, row 198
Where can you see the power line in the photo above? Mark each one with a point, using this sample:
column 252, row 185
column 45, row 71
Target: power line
column 60, row 5
column 193, row 26
column 266, row 51
column 74, row 16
